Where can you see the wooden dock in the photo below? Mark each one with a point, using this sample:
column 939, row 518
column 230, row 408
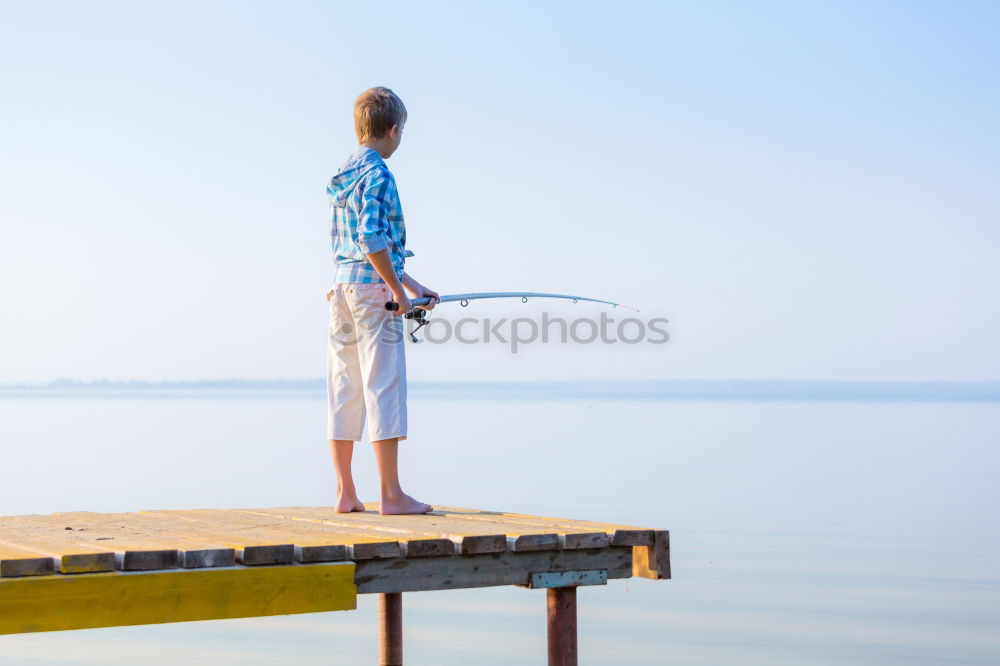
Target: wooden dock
column 82, row 569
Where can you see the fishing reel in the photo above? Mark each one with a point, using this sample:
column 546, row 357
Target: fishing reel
column 419, row 314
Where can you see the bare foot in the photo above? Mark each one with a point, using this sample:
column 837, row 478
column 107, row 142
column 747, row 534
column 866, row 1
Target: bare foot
column 403, row 504
column 346, row 504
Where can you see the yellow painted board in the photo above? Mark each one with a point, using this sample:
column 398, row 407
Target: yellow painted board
column 58, row 602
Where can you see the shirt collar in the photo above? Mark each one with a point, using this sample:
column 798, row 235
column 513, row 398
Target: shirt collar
column 368, row 154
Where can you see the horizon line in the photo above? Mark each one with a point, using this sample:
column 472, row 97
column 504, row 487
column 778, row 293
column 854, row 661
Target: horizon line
column 546, row 389
column 60, row 382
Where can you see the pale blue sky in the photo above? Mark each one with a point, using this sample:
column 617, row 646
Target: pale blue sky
column 806, row 190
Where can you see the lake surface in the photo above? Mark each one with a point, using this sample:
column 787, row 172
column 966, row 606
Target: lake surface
column 802, row 531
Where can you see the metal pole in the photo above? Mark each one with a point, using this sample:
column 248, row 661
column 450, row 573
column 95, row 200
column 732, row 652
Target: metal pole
column 390, row 629
column 562, row 625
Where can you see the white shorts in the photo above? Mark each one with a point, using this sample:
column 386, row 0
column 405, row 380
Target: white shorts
column 366, row 364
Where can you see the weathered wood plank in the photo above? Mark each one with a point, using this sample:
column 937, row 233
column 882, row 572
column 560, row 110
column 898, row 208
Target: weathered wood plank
column 469, row 537
column 370, row 549
column 484, row 570
column 573, row 540
column 506, row 515
column 58, row 602
column 621, row 535
column 15, row 561
column 68, row 557
column 416, row 537
column 653, row 561
column 253, row 547
column 75, row 552
column 223, row 524
column 191, row 552
column 133, row 552
column 313, row 543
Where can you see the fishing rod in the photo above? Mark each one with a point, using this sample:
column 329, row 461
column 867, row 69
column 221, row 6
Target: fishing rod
column 463, row 299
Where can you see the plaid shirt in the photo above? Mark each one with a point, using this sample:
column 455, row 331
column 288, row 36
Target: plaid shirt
column 366, row 217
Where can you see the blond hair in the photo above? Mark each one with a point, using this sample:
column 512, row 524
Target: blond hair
column 376, row 110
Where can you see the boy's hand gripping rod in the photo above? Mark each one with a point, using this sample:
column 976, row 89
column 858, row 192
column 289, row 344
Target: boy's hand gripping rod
column 420, row 314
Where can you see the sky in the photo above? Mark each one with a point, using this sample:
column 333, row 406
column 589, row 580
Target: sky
column 804, row 190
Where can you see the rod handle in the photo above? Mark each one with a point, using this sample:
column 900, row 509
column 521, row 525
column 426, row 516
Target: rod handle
column 392, row 306
column 415, row 313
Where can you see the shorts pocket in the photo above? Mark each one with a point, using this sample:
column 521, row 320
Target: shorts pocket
column 372, row 295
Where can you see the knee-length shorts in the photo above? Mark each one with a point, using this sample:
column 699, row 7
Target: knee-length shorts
column 366, row 364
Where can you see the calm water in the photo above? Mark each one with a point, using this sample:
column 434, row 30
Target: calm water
column 802, row 532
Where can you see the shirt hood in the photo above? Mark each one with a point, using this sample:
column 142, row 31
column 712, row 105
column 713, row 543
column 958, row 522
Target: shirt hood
column 361, row 161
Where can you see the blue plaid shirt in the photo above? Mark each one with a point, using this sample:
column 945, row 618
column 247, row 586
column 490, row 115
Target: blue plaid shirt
column 366, row 217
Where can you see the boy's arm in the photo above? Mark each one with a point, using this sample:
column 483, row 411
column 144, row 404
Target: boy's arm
column 373, row 231
column 382, row 264
column 420, row 291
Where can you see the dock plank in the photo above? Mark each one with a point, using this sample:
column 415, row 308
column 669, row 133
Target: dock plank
column 359, row 544
column 409, row 529
column 253, row 547
column 20, row 561
column 309, row 544
column 133, row 549
column 619, row 534
column 468, row 537
column 68, row 556
column 131, row 552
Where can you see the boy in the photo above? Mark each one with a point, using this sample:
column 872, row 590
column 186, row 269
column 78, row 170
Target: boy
column 366, row 364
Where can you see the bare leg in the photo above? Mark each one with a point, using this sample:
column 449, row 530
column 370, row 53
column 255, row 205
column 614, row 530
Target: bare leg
column 394, row 500
column 347, row 496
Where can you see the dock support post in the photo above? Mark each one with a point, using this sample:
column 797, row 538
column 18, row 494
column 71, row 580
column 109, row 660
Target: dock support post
column 390, row 629
column 562, row 625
